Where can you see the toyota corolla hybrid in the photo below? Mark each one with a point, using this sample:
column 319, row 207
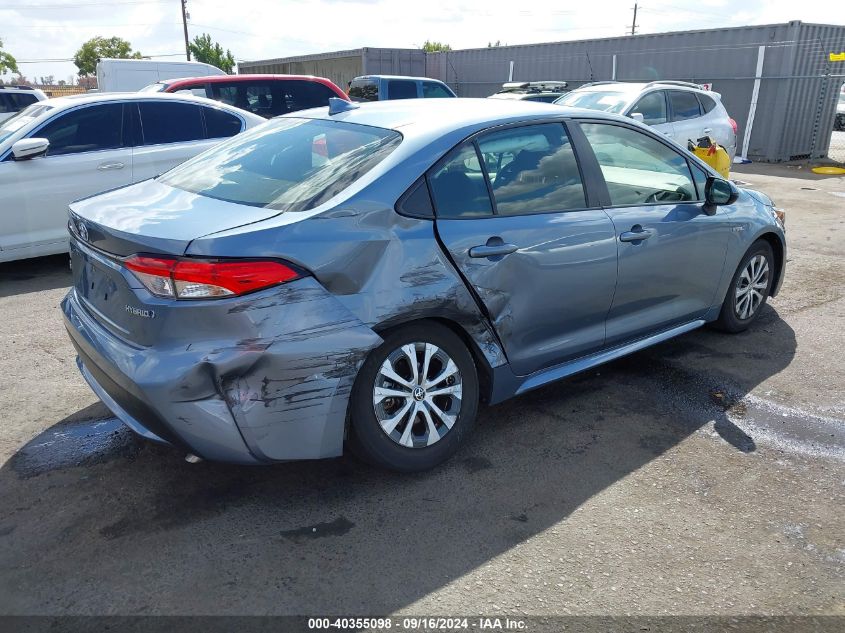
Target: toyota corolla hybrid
column 366, row 276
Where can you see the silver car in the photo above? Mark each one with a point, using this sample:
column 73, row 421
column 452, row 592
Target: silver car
column 367, row 276
column 681, row 110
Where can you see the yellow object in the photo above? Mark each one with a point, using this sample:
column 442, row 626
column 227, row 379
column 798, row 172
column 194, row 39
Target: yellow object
column 717, row 157
column 829, row 171
column 837, row 57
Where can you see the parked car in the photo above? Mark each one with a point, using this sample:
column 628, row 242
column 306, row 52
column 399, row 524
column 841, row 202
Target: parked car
column 545, row 91
column 382, row 87
column 129, row 75
column 13, row 99
column 59, row 150
column 264, row 95
column 679, row 109
column 374, row 273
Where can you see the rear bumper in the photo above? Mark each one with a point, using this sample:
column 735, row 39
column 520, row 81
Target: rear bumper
column 275, row 393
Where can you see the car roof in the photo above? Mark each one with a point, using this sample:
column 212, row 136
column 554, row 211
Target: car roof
column 237, row 78
column 441, row 116
column 397, row 77
column 106, row 97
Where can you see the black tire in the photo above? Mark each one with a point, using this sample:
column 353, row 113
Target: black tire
column 370, row 442
column 730, row 319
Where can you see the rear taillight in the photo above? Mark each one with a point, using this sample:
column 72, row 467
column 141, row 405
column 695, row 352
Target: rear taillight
column 733, row 124
column 203, row 279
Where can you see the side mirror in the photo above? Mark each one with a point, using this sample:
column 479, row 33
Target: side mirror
column 638, row 117
column 27, row 148
column 718, row 192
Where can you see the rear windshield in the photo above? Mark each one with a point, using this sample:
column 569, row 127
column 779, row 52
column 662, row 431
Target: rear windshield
column 363, row 90
column 288, row 164
column 613, row 102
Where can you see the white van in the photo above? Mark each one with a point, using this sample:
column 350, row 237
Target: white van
column 130, row 75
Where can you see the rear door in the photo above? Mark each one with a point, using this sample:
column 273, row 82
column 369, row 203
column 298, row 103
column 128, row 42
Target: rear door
column 529, row 240
column 88, row 154
column 171, row 133
column 671, row 254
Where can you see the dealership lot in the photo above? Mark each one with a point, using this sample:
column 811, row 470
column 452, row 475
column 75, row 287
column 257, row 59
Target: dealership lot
column 702, row 476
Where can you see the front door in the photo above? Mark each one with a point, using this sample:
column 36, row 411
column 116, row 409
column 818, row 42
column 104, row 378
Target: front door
column 520, row 230
column 671, row 253
column 86, row 155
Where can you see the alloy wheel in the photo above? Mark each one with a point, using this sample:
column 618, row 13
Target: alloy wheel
column 417, row 394
column 751, row 287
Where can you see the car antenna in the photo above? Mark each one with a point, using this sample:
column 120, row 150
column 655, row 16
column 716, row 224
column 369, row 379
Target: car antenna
column 336, row 106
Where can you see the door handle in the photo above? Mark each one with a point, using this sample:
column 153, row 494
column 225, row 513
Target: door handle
column 636, row 234
column 109, row 166
column 494, row 247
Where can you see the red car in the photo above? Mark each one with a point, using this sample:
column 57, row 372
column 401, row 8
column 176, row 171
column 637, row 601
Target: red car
column 264, row 95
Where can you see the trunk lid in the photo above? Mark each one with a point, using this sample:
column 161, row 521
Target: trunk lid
column 151, row 217
column 148, row 217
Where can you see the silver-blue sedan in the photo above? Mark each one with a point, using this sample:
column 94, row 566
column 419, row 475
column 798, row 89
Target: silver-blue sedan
column 366, row 276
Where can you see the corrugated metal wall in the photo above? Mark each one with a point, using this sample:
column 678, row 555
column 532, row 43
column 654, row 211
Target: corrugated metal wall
column 794, row 111
column 797, row 98
column 341, row 67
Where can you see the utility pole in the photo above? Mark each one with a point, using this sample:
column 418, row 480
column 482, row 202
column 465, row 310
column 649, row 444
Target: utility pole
column 185, row 26
column 633, row 24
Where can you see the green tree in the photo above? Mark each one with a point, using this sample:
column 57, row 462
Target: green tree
column 97, row 48
column 435, row 47
column 208, row 52
column 7, row 62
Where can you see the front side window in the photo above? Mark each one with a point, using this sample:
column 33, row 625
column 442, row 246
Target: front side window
column 401, row 89
column 88, row 129
column 532, row 169
column 164, row 122
column 287, row 164
column 653, row 108
column 639, row 169
column 434, row 90
column 458, row 186
column 684, row 105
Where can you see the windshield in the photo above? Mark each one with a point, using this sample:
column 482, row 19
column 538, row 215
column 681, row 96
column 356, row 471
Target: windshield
column 13, row 124
column 613, row 102
column 156, row 87
column 288, row 164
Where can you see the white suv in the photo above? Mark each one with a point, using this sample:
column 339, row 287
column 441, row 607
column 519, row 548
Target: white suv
column 682, row 110
column 13, row 99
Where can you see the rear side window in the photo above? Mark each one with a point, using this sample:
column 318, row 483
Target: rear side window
column 637, row 168
column 532, row 169
column 458, row 186
column 653, row 108
column 707, row 103
column 20, row 100
column 364, row 90
column 434, row 90
column 89, row 129
column 287, row 164
column 401, row 89
column 301, row 95
column 163, row 122
column 6, row 104
column 684, row 105
column 220, row 124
